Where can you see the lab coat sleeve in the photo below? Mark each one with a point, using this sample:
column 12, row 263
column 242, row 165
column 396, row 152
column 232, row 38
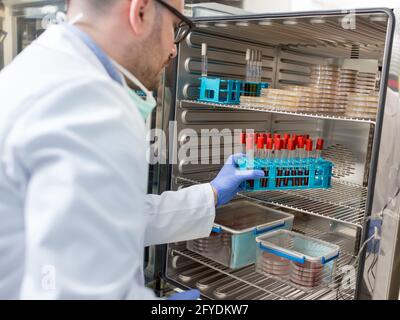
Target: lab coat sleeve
column 83, row 149
column 180, row 215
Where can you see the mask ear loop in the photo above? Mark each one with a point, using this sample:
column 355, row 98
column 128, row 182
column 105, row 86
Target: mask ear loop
column 136, row 81
column 61, row 17
column 75, row 19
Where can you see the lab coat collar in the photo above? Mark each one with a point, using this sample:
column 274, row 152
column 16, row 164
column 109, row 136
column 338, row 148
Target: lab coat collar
column 97, row 51
column 60, row 39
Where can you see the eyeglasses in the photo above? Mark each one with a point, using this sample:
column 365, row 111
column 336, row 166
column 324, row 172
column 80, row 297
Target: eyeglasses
column 184, row 27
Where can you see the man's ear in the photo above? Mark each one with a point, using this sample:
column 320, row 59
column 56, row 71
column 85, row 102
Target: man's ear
column 137, row 12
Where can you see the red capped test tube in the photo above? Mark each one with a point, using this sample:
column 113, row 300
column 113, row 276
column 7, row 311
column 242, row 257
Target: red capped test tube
column 319, row 147
column 278, row 157
column 269, row 146
column 250, row 157
column 250, row 146
column 260, row 147
column 243, row 142
column 290, row 157
column 309, row 151
column 268, row 157
column 301, row 157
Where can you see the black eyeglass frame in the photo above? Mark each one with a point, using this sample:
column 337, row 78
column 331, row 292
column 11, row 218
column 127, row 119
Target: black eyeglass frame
column 185, row 22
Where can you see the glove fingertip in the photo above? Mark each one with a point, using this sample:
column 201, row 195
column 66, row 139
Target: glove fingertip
column 259, row 173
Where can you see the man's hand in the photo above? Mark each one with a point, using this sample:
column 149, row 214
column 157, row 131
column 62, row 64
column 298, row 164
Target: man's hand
column 227, row 183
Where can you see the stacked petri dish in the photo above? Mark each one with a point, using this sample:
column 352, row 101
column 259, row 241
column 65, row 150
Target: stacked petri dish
column 209, row 245
column 307, row 275
column 347, row 85
column 331, row 91
column 366, row 83
column 274, row 265
column 278, row 100
column 226, row 239
column 325, row 79
column 363, row 106
column 333, row 85
column 309, row 101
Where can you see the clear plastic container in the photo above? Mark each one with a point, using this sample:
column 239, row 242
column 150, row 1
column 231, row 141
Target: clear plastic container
column 232, row 242
column 304, row 261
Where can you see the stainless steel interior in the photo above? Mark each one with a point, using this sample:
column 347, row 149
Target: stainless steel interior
column 290, row 46
column 219, row 282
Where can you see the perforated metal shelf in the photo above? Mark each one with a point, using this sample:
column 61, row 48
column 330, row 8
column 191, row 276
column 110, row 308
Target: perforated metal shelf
column 344, row 202
column 262, row 287
column 193, row 103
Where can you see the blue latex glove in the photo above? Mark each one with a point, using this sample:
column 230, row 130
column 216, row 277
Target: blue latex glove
column 187, row 295
column 373, row 245
column 227, row 182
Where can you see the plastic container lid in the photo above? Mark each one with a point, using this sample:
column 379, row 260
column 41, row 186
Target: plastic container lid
column 244, row 216
column 298, row 248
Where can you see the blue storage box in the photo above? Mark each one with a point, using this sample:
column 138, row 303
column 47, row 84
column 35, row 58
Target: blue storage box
column 236, row 226
column 286, row 174
column 217, row 90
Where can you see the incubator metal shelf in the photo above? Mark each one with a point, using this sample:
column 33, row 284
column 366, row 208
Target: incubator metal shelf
column 193, row 103
column 344, row 202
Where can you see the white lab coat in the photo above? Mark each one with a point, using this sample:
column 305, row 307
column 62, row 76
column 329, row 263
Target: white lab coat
column 74, row 214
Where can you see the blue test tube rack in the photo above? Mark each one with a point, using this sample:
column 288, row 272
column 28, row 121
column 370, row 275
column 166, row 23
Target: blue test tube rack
column 218, row 90
column 288, row 174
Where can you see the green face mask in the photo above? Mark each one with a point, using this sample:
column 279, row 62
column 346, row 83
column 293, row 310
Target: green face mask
column 144, row 105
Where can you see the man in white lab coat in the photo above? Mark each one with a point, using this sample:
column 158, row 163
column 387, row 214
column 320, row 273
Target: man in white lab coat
column 74, row 213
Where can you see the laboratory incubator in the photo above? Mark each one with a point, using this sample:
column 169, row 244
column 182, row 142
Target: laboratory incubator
column 331, row 77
